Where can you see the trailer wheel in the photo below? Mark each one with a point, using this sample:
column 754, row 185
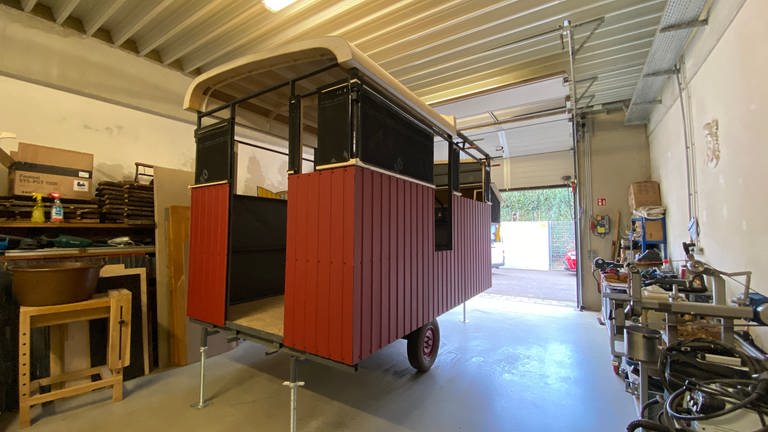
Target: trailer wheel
column 423, row 345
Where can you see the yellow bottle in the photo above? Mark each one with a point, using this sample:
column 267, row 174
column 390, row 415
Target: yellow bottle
column 38, row 212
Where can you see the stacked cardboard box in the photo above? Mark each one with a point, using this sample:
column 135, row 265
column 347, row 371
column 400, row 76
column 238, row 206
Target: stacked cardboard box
column 126, row 202
column 40, row 169
column 644, row 194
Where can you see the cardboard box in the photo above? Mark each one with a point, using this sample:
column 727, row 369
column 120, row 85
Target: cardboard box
column 43, row 155
column 41, row 169
column 654, row 230
column 643, row 194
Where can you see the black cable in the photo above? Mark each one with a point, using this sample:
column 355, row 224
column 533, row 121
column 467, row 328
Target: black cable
column 648, row 425
column 698, row 417
column 754, row 365
column 735, row 393
column 648, row 404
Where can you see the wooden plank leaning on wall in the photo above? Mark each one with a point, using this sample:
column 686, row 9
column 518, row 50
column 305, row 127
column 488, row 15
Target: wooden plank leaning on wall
column 178, row 244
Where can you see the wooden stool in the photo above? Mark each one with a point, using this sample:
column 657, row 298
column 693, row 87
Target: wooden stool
column 115, row 305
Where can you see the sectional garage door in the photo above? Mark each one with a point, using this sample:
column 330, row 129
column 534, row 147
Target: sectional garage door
column 531, row 171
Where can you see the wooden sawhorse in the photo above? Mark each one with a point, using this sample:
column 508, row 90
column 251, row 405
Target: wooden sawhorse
column 116, row 306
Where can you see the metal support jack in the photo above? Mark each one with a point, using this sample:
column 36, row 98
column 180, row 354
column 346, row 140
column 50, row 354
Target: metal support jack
column 294, row 386
column 204, row 332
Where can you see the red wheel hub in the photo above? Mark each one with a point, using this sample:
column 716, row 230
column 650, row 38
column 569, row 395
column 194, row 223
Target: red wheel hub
column 429, row 342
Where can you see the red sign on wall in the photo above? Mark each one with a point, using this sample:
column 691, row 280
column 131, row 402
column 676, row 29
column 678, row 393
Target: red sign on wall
column 601, row 202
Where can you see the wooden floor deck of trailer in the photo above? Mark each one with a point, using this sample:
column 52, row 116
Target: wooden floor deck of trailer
column 263, row 317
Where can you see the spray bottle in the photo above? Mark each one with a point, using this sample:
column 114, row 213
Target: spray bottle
column 57, row 211
column 38, row 212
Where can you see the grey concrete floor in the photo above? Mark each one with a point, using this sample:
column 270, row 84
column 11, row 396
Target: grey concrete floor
column 513, row 367
column 553, row 287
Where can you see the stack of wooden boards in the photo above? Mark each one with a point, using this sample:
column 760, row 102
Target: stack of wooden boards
column 126, row 202
column 19, row 208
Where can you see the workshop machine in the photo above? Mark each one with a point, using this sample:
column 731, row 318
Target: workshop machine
column 677, row 347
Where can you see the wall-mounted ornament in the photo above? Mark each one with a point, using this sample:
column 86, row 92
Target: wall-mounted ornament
column 712, row 136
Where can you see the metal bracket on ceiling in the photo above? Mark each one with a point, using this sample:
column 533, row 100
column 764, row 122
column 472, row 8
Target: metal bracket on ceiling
column 663, row 73
column 560, row 31
column 653, row 102
column 598, row 22
column 684, row 26
column 589, row 102
column 589, row 86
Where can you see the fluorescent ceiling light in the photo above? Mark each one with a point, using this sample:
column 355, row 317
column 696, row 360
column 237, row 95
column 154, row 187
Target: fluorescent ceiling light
column 276, row 5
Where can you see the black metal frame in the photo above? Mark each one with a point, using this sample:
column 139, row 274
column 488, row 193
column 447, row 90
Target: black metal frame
column 456, row 145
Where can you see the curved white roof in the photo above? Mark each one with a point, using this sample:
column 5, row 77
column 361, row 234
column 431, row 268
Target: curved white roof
column 277, row 65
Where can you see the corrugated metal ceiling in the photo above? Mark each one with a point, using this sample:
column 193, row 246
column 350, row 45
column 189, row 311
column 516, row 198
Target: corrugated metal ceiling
column 451, row 53
column 440, row 49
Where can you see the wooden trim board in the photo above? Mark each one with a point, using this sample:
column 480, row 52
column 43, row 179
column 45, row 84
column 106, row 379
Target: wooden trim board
column 178, row 244
column 120, row 270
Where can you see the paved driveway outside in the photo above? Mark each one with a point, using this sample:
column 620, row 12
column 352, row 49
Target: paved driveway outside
column 534, row 285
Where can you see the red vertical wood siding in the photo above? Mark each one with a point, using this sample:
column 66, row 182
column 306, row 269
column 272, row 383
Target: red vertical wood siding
column 361, row 265
column 208, row 245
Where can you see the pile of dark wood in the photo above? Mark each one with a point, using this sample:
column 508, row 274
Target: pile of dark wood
column 126, row 202
column 19, row 209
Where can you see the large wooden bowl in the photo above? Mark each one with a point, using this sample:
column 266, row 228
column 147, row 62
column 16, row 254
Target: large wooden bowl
column 52, row 284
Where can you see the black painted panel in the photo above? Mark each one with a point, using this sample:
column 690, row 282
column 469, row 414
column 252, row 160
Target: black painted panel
column 257, row 248
column 334, row 129
column 392, row 141
column 213, row 155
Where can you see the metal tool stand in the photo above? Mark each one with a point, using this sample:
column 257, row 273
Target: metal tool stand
column 294, row 386
column 204, row 332
column 718, row 308
column 643, row 390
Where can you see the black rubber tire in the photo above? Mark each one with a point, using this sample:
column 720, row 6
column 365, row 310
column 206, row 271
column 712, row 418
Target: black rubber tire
column 423, row 345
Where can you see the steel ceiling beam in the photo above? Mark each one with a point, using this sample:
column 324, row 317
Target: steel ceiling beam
column 375, row 36
column 62, row 10
column 229, row 49
column 100, row 17
column 539, row 21
column 438, row 49
column 28, row 5
column 183, row 47
column 166, row 33
column 371, row 19
column 138, row 21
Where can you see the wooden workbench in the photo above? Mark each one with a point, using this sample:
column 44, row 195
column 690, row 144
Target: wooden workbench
column 116, row 306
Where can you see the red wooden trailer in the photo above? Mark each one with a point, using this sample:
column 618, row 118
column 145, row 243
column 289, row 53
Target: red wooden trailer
column 371, row 245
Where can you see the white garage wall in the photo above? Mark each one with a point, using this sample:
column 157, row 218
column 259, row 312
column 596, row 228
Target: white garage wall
column 116, row 136
column 119, row 136
column 619, row 157
column 730, row 86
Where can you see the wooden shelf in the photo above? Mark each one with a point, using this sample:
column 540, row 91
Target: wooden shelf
column 24, row 224
column 19, row 254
